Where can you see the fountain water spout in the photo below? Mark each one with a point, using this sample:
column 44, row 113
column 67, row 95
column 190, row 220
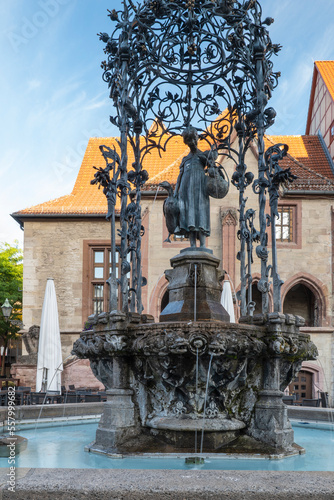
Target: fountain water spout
column 205, row 401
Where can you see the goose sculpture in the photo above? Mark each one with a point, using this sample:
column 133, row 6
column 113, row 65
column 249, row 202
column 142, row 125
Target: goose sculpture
column 171, row 209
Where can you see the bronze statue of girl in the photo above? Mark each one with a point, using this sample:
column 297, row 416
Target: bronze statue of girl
column 187, row 210
column 191, row 191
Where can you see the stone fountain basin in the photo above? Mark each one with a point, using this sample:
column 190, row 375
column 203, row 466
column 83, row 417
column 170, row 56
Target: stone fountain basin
column 180, row 432
column 192, row 424
column 159, row 375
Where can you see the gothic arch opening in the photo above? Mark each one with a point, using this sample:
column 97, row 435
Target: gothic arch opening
column 305, row 295
column 301, row 300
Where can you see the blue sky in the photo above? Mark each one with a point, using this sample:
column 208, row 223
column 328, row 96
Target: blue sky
column 52, row 97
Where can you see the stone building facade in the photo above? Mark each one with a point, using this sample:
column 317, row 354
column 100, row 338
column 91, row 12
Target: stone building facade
column 69, row 239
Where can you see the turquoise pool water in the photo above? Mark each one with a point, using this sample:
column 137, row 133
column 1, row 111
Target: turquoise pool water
column 62, row 446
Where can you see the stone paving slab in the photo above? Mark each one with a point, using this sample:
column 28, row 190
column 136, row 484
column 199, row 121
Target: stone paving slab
column 106, row 484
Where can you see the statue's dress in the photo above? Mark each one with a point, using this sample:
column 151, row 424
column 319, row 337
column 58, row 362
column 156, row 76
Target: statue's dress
column 194, row 201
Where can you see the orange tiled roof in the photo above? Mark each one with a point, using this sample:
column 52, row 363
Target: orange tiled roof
column 170, row 173
column 307, row 160
column 306, row 149
column 87, row 198
column 326, row 70
column 305, row 156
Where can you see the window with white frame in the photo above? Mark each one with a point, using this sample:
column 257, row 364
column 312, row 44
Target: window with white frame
column 284, row 224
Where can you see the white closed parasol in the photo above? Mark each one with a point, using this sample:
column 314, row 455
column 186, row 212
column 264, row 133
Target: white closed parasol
column 227, row 300
column 49, row 359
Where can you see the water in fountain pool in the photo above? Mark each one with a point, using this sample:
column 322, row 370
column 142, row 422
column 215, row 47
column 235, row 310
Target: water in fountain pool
column 62, row 446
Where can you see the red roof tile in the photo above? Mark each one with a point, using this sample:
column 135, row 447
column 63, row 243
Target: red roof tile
column 307, row 161
column 306, row 149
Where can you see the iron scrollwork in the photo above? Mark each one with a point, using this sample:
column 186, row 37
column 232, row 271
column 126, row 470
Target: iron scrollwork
column 276, row 177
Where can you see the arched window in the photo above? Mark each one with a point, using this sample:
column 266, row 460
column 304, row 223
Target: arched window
column 300, row 300
column 305, row 295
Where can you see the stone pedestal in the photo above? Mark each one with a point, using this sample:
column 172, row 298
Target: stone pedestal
column 194, row 288
column 117, row 424
column 271, row 423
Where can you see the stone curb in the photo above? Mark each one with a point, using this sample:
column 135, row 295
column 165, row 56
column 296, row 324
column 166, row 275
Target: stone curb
column 103, row 484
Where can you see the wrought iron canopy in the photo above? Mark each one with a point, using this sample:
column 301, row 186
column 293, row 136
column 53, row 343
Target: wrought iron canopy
column 172, row 64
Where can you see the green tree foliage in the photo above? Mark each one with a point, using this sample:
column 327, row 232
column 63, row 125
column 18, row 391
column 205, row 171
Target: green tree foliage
column 11, row 281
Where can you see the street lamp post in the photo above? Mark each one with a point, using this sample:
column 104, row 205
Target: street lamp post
column 6, row 311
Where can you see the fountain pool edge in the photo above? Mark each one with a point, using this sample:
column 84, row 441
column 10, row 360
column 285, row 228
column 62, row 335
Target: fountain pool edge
column 53, row 411
column 103, row 484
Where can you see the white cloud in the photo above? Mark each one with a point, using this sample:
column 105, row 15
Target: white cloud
column 97, row 102
column 33, row 84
